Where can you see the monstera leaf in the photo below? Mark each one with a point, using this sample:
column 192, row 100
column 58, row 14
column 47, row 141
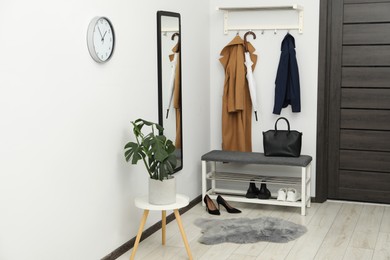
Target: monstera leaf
column 155, row 150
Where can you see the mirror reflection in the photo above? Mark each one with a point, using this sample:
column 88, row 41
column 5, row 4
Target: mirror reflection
column 169, row 79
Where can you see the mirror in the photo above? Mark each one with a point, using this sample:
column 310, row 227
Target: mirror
column 169, row 79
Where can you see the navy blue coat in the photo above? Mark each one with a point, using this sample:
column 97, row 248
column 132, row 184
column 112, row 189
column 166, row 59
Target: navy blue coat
column 287, row 89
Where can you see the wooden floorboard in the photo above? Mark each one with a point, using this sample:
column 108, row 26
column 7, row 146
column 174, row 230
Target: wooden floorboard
column 336, row 230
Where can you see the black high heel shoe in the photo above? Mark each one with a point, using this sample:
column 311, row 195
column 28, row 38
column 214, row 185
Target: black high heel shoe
column 228, row 208
column 210, row 206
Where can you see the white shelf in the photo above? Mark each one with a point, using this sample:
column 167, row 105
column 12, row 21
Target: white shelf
column 295, row 7
column 241, row 198
column 246, row 178
column 262, row 8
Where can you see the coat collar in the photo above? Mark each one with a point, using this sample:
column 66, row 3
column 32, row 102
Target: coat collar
column 239, row 41
column 236, row 41
column 288, row 42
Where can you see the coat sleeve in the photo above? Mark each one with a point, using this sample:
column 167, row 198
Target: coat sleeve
column 295, row 91
column 281, row 82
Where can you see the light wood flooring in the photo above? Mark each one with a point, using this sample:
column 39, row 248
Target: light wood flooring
column 336, row 230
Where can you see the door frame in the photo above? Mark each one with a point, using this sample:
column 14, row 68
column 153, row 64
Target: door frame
column 323, row 94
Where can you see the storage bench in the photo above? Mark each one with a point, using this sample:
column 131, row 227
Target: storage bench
column 303, row 162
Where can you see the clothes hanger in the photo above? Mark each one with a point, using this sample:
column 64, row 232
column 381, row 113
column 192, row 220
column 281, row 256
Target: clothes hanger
column 178, row 41
column 174, row 35
column 245, row 41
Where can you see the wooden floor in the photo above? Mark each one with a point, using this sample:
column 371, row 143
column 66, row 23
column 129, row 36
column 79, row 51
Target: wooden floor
column 336, row 230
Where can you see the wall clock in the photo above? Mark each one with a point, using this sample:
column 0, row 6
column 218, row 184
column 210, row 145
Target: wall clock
column 100, row 39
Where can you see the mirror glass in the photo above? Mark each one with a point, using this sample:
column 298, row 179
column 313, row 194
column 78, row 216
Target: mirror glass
column 169, row 79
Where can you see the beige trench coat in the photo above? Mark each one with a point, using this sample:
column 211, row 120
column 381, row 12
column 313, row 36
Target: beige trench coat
column 236, row 101
column 176, row 96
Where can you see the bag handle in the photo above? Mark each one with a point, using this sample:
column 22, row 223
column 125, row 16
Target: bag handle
column 288, row 123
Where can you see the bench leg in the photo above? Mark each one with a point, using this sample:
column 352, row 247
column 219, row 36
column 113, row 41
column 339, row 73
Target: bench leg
column 204, row 181
column 303, row 191
column 213, row 169
column 309, row 185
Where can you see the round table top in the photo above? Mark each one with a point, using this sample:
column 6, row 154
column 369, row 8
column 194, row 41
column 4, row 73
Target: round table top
column 143, row 203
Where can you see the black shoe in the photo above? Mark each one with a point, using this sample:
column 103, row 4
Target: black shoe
column 228, row 208
column 210, row 206
column 252, row 191
column 264, row 193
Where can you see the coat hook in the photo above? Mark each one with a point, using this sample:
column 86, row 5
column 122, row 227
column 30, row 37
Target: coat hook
column 275, row 31
column 262, row 32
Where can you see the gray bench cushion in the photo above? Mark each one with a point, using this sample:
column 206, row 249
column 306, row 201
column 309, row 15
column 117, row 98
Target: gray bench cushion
column 255, row 158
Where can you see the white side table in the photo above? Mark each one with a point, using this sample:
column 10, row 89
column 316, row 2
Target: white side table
column 143, row 203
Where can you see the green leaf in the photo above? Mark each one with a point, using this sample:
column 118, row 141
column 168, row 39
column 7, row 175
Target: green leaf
column 131, row 145
column 160, row 128
column 156, row 151
column 130, row 148
column 136, row 158
column 172, row 160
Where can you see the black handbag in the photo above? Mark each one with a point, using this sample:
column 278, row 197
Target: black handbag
column 282, row 142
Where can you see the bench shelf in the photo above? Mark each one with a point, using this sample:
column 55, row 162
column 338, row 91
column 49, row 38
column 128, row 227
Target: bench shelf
column 214, row 176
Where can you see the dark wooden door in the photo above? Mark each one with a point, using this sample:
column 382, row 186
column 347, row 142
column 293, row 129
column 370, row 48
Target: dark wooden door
column 359, row 101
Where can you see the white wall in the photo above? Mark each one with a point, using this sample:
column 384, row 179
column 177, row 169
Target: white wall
column 65, row 189
column 268, row 51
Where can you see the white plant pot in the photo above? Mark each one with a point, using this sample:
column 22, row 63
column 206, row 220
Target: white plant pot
column 162, row 192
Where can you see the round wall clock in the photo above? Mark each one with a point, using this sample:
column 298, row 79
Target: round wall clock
column 100, row 39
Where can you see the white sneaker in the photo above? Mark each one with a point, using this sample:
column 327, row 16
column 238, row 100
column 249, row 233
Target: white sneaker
column 293, row 195
column 282, row 193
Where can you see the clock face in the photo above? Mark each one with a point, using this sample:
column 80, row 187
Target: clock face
column 101, row 39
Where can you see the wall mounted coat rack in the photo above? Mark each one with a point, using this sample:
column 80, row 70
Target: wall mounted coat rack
column 294, row 7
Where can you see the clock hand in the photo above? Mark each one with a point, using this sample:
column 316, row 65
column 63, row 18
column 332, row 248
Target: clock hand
column 104, row 35
column 100, row 32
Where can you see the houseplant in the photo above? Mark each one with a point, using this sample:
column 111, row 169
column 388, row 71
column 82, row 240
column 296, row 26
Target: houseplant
column 158, row 155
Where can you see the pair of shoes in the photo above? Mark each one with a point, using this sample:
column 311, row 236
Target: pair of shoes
column 228, row 208
column 262, row 193
column 252, row 191
column 289, row 194
column 210, row 206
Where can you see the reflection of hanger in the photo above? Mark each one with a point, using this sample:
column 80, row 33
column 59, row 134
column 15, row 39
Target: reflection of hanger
column 172, row 81
column 245, row 41
column 174, row 35
column 178, row 41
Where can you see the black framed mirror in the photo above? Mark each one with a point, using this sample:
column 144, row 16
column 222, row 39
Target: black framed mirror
column 169, row 79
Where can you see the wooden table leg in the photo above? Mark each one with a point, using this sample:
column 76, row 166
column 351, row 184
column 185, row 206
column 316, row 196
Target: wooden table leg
column 141, row 227
column 183, row 234
column 163, row 225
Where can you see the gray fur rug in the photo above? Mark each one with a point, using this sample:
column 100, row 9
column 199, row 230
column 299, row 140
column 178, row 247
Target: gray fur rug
column 245, row 230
